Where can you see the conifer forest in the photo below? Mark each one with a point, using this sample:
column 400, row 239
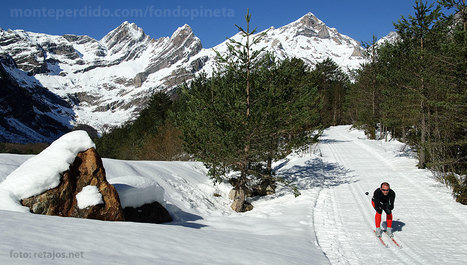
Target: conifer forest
column 255, row 109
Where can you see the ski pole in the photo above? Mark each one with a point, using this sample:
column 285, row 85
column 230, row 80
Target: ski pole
column 366, row 193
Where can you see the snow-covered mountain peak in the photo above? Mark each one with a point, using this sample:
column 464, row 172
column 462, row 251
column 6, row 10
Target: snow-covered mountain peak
column 309, row 39
column 108, row 81
column 310, row 20
column 185, row 35
column 309, row 26
column 184, row 30
column 124, row 39
column 126, row 30
column 392, row 37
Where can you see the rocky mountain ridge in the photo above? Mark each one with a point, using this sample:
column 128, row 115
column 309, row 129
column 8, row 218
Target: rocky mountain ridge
column 106, row 82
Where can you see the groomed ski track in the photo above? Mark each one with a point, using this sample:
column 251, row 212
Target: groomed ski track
column 428, row 223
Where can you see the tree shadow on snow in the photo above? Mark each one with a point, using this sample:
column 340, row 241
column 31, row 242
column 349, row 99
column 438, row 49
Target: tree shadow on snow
column 181, row 218
column 315, row 173
column 331, row 141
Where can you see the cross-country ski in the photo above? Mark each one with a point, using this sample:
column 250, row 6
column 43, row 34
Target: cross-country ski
column 381, row 240
column 394, row 241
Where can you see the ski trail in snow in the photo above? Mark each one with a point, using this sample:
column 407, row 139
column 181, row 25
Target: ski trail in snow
column 425, row 193
column 426, row 201
column 427, row 221
column 363, row 206
column 352, row 195
column 330, row 231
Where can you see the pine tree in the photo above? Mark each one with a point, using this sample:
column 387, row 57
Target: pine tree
column 416, row 33
column 423, row 89
column 365, row 94
column 332, row 84
column 289, row 108
column 217, row 121
column 451, row 137
column 251, row 111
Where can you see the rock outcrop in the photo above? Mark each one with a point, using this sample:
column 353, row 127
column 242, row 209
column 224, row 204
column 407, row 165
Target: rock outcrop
column 148, row 213
column 266, row 187
column 87, row 169
column 239, row 203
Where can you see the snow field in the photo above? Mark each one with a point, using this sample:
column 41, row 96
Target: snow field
column 205, row 230
column 332, row 221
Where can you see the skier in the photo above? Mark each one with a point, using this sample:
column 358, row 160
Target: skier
column 383, row 199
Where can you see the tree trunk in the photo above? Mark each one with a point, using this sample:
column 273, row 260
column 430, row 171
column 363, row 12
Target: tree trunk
column 373, row 108
column 239, row 198
column 238, row 194
column 422, row 158
column 422, row 154
column 269, row 167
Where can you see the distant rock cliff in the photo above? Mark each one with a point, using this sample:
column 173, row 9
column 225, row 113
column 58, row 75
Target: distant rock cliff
column 29, row 112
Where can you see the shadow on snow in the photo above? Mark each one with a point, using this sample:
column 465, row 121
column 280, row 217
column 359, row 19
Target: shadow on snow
column 397, row 225
column 181, row 218
column 315, row 173
column 331, row 141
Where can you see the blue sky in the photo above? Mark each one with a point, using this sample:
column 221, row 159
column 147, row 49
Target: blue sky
column 212, row 21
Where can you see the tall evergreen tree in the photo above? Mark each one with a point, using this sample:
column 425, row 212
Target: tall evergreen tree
column 248, row 113
column 423, row 88
column 217, row 122
column 332, row 84
column 289, row 107
column 365, row 94
column 417, row 33
column 451, row 136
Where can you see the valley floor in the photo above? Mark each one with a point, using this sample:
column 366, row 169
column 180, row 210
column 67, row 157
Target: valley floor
column 330, row 223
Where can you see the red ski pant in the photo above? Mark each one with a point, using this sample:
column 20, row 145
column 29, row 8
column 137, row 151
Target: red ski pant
column 378, row 218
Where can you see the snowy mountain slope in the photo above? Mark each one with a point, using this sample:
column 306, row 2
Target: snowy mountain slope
column 108, row 81
column 28, row 111
column 333, row 215
column 392, row 37
column 311, row 40
column 103, row 80
column 307, row 38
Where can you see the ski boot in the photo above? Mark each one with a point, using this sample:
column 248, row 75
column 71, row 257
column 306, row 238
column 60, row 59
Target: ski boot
column 378, row 232
column 389, row 232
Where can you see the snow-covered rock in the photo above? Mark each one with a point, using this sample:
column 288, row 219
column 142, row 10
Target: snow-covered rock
column 42, row 172
column 66, row 179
